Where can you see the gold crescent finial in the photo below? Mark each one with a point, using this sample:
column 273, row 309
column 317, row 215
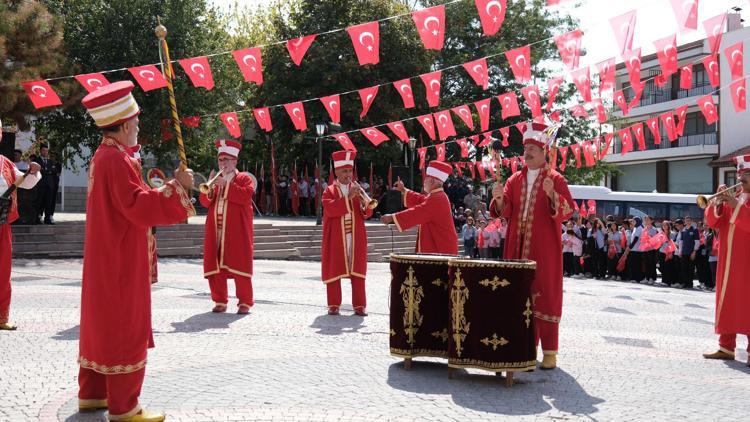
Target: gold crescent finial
column 160, row 30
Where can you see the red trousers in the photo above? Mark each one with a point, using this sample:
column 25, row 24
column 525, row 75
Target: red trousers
column 547, row 332
column 243, row 288
column 728, row 342
column 121, row 390
column 359, row 299
column 6, row 251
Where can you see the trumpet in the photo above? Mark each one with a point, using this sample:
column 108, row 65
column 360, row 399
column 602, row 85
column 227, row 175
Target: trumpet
column 703, row 200
column 205, row 188
column 366, row 199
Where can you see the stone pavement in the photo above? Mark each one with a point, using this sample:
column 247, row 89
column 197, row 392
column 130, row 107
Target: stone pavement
column 629, row 352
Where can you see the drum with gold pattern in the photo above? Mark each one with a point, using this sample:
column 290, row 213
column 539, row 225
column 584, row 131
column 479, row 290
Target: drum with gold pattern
column 491, row 315
column 419, row 305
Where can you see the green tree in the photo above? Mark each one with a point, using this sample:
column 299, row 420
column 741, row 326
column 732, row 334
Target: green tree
column 30, row 48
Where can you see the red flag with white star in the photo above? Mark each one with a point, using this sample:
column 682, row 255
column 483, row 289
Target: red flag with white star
column 681, row 119
column 520, row 63
column 553, row 87
column 624, row 29
column 521, row 126
column 399, row 130
column 576, row 148
column 601, row 113
column 464, row 147
column 250, row 62
column 606, row 71
column 711, row 65
column 505, row 133
column 632, row 60
column 509, row 104
column 579, row 111
column 432, row 87
column 422, row 152
column 686, row 13
column 640, row 136
column 666, row 51
column 232, row 123
column 41, row 94
column 626, row 138
column 298, row 47
column 714, row 31
column 569, row 46
column 444, row 124
column 491, row 15
column 296, row 112
column 148, row 77
column 344, row 141
column 739, row 95
column 199, row 72
column 653, row 126
column 483, row 110
column 263, row 117
column 430, row 25
column 464, row 113
column 668, row 120
column 428, row 124
column 92, row 81
column 367, row 96
column 563, row 152
column 477, row 69
column 440, row 149
column 404, row 89
column 708, row 108
column 735, row 54
column 374, row 135
column 332, row 104
column 582, row 80
column 366, row 42
column 531, row 95
column 619, row 98
column 686, row 76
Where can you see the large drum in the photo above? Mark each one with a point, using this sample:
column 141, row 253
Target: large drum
column 419, row 305
column 491, row 315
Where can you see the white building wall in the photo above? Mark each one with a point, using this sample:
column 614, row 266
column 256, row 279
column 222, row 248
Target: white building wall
column 734, row 128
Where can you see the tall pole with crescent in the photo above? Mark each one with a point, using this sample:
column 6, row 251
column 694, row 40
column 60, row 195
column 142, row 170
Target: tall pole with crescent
column 161, row 34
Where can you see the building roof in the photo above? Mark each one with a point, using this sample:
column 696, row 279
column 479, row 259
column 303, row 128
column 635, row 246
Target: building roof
column 680, row 48
column 726, row 160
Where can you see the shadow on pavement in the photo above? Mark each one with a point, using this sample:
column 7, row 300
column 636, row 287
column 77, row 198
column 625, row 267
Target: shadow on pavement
column 205, row 321
column 72, row 333
column 87, row 417
column 738, row 365
column 485, row 392
column 334, row 325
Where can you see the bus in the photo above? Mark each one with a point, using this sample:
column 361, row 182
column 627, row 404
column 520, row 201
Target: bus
column 659, row 206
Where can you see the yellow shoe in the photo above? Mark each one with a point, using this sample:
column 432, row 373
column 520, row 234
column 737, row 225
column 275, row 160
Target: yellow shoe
column 720, row 355
column 549, row 361
column 91, row 405
column 7, row 326
column 144, row 416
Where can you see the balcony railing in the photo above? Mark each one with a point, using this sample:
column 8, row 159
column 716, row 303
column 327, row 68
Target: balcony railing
column 662, row 95
column 682, row 141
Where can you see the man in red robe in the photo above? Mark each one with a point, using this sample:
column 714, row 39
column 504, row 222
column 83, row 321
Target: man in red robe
column 153, row 253
column 431, row 211
column 344, row 251
column 536, row 201
column 729, row 214
column 9, row 176
column 228, row 238
column 116, row 290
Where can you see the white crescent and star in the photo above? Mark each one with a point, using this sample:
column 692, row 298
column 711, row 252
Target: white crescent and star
column 427, row 21
column 43, row 90
column 687, row 6
column 734, row 59
column 506, row 102
column 142, row 74
column 371, row 132
column 492, row 4
column 332, row 104
column 200, row 73
column 295, row 111
column 404, row 88
column 435, row 81
column 368, row 98
column 230, row 121
column 520, row 59
column 94, row 83
column 364, row 35
column 443, row 120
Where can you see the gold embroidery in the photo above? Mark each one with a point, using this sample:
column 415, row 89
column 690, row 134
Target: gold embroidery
column 492, row 366
column 441, row 334
column 438, row 282
column 412, row 294
column 527, row 313
column 110, row 370
column 419, row 353
column 166, row 190
column 495, row 282
column 184, row 197
column 548, row 318
column 494, row 341
column 393, row 332
column 459, row 296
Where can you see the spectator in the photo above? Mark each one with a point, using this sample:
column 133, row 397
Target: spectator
column 47, row 187
column 649, row 255
column 481, row 212
column 667, row 260
column 268, row 189
column 701, row 259
column 18, row 160
column 282, row 187
column 304, row 196
column 690, row 242
column 614, row 250
column 599, row 252
column 469, row 236
column 567, row 249
column 482, row 241
column 27, row 210
column 492, row 237
column 471, row 200
column 502, row 229
column 459, row 219
column 635, row 256
column 713, row 257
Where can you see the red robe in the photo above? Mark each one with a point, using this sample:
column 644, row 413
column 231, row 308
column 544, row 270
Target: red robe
column 542, row 241
column 336, row 207
column 432, row 212
column 232, row 248
column 116, row 288
column 732, row 280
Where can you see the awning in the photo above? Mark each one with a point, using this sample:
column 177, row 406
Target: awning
column 727, row 160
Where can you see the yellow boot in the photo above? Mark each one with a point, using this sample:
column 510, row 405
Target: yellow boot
column 549, row 361
column 91, row 405
column 142, row 416
column 7, row 326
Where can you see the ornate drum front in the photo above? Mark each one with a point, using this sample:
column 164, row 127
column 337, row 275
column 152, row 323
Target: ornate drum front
column 491, row 315
column 419, row 305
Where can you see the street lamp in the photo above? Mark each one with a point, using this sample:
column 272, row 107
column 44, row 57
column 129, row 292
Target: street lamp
column 320, row 130
column 412, row 144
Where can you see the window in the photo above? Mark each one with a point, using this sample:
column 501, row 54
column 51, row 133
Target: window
column 655, row 211
column 730, row 178
column 610, row 208
column 682, row 210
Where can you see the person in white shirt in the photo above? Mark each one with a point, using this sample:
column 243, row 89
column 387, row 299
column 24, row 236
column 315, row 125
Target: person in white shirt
column 304, row 196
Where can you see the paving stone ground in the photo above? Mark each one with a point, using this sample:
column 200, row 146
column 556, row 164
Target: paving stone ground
column 628, row 352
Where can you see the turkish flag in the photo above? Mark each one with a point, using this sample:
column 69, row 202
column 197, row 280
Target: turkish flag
column 739, row 95
column 668, row 120
column 148, row 77
column 432, row 87
column 483, row 110
column 367, row 96
column 632, row 60
column 576, row 153
column 250, row 62
column 232, row 123
column 191, row 121
column 624, row 29
column 445, row 126
column 711, row 65
column 640, row 137
column 422, row 152
column 708, row 108
column 481, row 170
column 608, row 138
column 660, row 80
column 263, row 117
column 521, row 126
column 404, row 89
column 477, row 69
column 531, row 95
column 592, row 207
column 298, row 47
column 563, row 152
column 686, row 13
column 474, row 140
column 606, row 71
column 509, row 105
column 569, row 46
column 428, row 124
column 714, row 31
column 666, row 51
column 653, row 125
column 735, row 54
column 199, row 72
column 374, row 135
column 505, row 133
column 686, row 76
column 332, row 104
column 399, row 130
column 601, row 113
column 619, row 99
column 637, row 93
column 366, row 41
column 491, row 15
column 464, row 113
column 520, row 63
column 92, row 81
column 555, row 116
column 582, row 79
column 464, row 147
column 430, row 25
column 440, row 149
column 681, row 118
column 553, row 87
column 296, row 112
column 626, row 138
column 588, row 154
column 344, row 141
column 579, row 111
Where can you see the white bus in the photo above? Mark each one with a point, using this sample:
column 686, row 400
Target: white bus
column 660, row 206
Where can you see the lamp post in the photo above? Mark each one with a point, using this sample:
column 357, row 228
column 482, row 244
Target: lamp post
column 412, row 144
column 320, row 130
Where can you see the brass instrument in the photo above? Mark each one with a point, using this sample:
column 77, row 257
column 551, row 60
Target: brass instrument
column 205, row 188
column 365, row 198
column 703, row 200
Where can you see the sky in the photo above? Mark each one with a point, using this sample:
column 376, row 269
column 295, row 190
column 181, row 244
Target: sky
column 655, row 20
